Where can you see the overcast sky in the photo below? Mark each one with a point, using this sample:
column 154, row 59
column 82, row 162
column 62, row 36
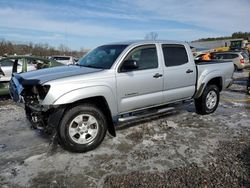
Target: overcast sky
column 88, row 23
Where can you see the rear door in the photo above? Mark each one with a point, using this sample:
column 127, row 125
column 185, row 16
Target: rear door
column 179, row 73
column 142, row 87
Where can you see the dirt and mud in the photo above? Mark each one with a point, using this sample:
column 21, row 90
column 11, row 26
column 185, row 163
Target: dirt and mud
column 177, row 149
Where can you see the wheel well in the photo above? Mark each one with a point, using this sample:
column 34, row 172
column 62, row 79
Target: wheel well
column 216, row 81
column 102, row 104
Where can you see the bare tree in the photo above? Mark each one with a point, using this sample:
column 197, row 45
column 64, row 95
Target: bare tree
column 10, row 48
column 63, row 49
column 151, row 36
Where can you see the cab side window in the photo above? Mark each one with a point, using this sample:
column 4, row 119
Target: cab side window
column 146, row 57
column 234, row 56
column 218, row 56
column 174, row 54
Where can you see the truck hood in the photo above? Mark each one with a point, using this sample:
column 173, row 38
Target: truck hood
column 44, row 75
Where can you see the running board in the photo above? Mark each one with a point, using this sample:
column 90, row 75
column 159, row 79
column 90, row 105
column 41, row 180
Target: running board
column 134, row 117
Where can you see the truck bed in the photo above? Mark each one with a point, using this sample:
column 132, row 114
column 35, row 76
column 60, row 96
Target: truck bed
column 202, row 62
column 207, row 69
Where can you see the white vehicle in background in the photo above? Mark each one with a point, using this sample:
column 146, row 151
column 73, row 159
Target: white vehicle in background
column 239, row 58
column 19, row 64
column 7, row 67
column 67, row 60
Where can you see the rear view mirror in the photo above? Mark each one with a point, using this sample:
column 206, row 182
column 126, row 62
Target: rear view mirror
column 129, row 65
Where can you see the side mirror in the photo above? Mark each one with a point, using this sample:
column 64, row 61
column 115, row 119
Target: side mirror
column 129, row 65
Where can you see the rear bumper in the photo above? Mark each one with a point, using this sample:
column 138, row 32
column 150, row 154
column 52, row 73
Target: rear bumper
column 247, row 66
column 243, row 66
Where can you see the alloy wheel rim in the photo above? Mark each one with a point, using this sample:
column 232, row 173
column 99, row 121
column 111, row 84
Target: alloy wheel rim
column 83, row 129
column 211, row 100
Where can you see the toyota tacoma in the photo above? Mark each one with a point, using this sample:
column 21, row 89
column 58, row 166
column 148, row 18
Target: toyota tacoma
column 116, row 83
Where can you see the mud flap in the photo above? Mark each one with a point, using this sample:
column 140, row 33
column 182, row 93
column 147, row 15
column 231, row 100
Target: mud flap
column 55, row 117
column 111, row 130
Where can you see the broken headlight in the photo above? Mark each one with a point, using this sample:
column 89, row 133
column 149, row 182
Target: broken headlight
column 41, row 90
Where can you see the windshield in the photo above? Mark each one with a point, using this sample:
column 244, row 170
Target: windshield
column 102, row 57
column 236, row 44
column 245, row 56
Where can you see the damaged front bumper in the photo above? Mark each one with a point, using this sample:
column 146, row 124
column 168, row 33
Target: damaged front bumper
column 45, row 117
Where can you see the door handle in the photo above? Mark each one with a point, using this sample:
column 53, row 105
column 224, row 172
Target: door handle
column 189, row 71
column 157, row 75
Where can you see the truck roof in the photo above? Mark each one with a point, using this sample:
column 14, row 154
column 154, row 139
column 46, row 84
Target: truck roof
column 130, row 42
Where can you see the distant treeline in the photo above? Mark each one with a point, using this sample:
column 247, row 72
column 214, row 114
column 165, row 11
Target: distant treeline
column 239, row 34
column 10, row 48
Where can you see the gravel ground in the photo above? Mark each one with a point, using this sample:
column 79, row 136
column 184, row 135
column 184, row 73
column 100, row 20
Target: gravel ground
column 177, row 149
column 231, row 168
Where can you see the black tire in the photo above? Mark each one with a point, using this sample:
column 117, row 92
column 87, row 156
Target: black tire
column 201, row 102
column 70, row 143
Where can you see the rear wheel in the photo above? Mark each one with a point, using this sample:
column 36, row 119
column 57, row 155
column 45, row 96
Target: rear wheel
column 82, row 128
column 208, row 102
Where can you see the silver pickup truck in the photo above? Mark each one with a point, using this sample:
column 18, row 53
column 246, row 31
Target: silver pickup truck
column 116, row 83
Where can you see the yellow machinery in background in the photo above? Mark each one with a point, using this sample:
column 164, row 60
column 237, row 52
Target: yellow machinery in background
column 221, row 49
column 235, row 45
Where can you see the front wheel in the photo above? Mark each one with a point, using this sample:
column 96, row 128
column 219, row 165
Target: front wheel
column 208, row 102
column 82, row 128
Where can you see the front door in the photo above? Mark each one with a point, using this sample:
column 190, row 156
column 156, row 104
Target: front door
column 143, row 86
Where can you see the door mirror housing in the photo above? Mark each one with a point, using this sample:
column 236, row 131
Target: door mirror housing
column 129, row 65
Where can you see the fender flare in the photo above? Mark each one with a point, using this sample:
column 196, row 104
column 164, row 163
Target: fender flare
column 88, row 92
column 205, row 79
column 85, row 93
